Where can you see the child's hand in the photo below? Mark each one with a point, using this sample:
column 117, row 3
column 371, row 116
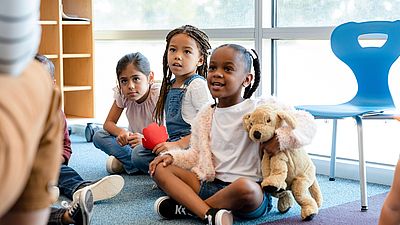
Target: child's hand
column 164, row 146
column 164, row 159
column 271, row 147
column 135, row 139
column 123, row 138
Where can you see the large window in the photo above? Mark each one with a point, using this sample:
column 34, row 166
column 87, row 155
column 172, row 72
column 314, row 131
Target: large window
column 168, row 14
column 292, row 38
column 312, row 13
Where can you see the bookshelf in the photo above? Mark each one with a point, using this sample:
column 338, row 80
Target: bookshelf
column 69, row 45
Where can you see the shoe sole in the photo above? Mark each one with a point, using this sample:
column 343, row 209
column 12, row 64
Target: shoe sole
column 227, row 220
column 86, row 209
column 157, row 204
column 105, row 188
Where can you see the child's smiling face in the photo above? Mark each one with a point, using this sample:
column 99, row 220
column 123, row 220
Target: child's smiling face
column 227, row 75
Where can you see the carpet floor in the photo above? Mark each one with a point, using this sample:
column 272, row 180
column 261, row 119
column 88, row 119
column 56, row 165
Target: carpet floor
column 134, row 205
column 348, row 213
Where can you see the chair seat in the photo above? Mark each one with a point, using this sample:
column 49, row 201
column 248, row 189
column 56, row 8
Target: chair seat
column 342, row 110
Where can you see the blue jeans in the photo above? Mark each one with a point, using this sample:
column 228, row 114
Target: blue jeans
column 69, row 181
column 132, row 160
column 141, row 158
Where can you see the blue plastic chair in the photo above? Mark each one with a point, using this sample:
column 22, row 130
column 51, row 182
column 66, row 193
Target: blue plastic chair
column 370, row 66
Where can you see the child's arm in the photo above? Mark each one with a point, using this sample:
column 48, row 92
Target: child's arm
column 110, row 125
column 390, row 213
column 303, row 133
column 305, row 126
column 182, row 143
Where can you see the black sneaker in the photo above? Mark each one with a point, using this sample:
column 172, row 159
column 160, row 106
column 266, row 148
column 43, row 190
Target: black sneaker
column 81, row 210
column 218, row 217
column 168, row 208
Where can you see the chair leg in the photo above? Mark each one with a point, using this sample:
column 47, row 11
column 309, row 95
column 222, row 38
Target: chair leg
column 332, row 168
column 362, row 166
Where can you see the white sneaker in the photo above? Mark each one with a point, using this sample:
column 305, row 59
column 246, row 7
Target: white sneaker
column 219, row 217
column 105, row 188
column 113, row 165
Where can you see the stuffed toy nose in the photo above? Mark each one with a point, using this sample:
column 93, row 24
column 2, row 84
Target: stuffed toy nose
column 256, row 134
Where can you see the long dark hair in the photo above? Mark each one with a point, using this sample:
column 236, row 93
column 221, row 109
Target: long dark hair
column 203, row 44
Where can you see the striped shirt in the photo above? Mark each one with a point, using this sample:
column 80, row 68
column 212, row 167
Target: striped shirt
column 19, row 34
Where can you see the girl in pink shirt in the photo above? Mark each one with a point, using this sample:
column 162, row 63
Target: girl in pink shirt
column 137, row 93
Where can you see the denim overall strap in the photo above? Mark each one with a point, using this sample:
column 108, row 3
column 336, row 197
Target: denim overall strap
column 176, row 126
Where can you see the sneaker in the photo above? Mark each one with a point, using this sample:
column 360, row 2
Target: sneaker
column 114, row 166
column 218, row 217
column 168, row 208
column 81, row 211
column 105, row 188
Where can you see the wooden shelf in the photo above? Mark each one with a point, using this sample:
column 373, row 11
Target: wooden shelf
column 77, row 88
column 75, row 22
column 48, row 22
column 51, row 56
column 82, row 55
column 69, row 45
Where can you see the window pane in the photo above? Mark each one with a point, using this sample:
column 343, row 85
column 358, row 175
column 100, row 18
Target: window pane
column 308, row 13
column 109, row 52
column 168, row 14
column 309, row 73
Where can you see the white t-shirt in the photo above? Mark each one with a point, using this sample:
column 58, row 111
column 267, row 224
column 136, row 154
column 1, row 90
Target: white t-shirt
column 197, row 94
column 234, row 154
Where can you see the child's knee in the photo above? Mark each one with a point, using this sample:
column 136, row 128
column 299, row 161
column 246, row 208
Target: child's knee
column 248, row 190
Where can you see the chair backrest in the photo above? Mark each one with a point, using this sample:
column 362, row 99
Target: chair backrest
column 370, row 65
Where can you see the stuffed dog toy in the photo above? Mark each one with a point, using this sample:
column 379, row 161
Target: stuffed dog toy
column 290, row 169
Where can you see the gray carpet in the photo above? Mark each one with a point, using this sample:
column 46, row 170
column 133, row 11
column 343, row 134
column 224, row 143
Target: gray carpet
column 348, row 213
column 134, row 205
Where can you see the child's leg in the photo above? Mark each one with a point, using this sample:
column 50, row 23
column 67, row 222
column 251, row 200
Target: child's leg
column 68, row 181
column 141, row 158
column 181, row 185
column 108, row 144
column 241, row 196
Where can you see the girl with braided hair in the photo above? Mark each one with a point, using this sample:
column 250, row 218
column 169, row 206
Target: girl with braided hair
column 181, row 96
column 219, row 175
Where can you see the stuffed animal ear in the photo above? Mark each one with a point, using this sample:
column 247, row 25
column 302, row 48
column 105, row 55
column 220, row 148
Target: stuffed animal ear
column 246, row 122
column 285, row 116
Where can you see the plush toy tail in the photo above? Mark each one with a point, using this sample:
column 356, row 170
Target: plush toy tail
column 316, row 193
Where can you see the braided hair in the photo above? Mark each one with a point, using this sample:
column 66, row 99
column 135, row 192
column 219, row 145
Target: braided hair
column 203, row 44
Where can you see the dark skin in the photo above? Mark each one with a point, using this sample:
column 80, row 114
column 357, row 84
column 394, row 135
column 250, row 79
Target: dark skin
column 271, row 147
column 226, row 77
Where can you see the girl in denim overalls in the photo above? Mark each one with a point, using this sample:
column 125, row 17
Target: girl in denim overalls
column 181, row 98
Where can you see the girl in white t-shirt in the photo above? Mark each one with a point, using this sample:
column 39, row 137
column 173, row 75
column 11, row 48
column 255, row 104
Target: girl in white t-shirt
column 220, row 175
column 138, row 95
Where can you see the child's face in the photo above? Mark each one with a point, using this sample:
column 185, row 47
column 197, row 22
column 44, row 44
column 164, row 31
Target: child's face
column 183, row 56
column 227, row 76
column 134, row 84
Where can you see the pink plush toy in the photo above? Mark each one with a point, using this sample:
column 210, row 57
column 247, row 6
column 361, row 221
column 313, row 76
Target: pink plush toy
column 153, row 135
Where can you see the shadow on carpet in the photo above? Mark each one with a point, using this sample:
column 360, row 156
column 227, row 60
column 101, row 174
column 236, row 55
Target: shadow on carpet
column 348, row 213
